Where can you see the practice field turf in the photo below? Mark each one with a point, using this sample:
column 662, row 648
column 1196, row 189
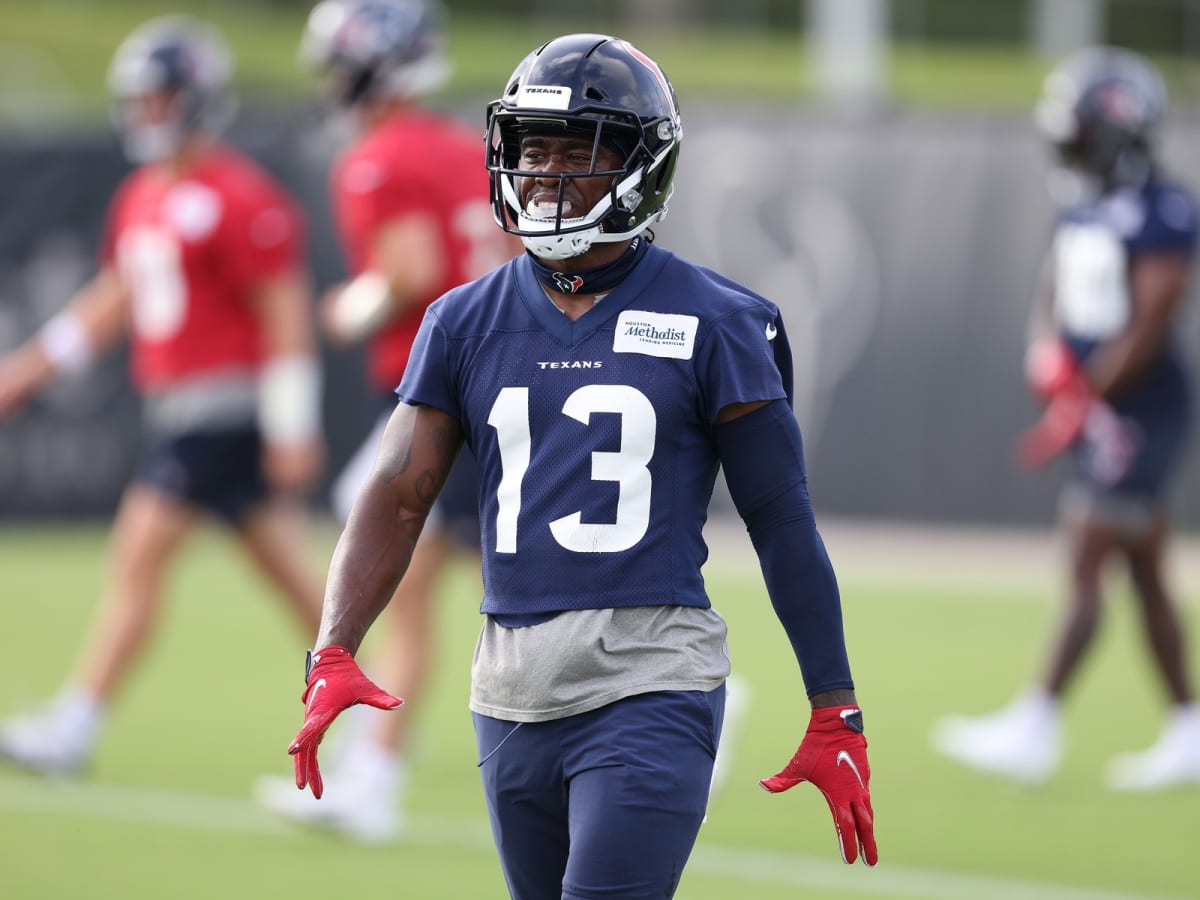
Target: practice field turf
column 165, row 812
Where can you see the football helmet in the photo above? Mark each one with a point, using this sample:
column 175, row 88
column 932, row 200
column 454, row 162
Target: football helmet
column 186, row 62
column 608, row 91
column 369, row 49
column 1101, row 109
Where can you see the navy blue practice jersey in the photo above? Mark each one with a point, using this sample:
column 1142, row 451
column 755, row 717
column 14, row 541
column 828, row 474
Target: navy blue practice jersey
column 594, row 437
column 1094, row 245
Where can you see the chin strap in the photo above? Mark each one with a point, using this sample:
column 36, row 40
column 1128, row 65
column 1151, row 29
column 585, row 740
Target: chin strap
column 597, row 280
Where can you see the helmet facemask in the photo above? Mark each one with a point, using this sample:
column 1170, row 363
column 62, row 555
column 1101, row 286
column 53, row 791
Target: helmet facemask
column 151, row 141
column 619, row 215
column 179, row 66
column 601, row 91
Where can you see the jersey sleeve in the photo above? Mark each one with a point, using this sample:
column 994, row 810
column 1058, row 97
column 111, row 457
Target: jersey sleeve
column 428, row 378
column 265, row 234
column 373, row 191
column 1170, row 223
column 744, row 358
column 367, row 192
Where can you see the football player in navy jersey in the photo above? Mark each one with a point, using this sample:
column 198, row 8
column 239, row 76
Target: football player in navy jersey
column 1105, row 361
column 601, row 382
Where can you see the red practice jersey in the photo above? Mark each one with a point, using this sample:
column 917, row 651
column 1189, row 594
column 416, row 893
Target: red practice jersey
column 191, row 251
column 421, row 163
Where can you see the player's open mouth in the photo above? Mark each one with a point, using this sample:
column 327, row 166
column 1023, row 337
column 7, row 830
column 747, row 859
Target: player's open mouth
column 541, row 208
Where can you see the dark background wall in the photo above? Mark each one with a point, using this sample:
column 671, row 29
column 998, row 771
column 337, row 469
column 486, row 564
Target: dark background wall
column 903, row 250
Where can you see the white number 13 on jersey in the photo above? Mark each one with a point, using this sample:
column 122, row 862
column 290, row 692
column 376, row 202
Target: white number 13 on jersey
column 626, row 466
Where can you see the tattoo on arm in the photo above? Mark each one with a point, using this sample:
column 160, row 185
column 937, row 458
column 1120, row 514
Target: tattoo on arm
column 399, row 453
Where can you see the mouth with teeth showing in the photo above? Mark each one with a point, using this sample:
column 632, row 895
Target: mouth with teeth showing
column 545, row 206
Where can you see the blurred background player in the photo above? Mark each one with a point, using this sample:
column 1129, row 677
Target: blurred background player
column 202, row 265
column 410, row 196
column 1105, row 360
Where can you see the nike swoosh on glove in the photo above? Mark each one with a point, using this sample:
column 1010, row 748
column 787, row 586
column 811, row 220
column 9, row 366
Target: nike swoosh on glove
column 833, row 757
column 334, row 683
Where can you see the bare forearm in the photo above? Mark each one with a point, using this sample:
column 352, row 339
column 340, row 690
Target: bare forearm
column 1123, row 362
column 371, row 557
column 415, row 457
column 1157, row 286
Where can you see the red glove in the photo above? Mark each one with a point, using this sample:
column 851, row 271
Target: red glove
column 1055, row 376
column 1059, row 426
column 1049, row 367
column 833, row 756
column 335, row 683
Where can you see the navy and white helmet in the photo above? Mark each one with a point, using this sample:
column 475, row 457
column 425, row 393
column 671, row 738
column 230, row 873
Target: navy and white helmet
column 1101, row 108
column 370, row 49
column 183, row 60
column 607, row 91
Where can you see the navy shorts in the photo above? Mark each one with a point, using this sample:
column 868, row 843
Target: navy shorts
column 603, row 804
column 220, row 471
column 1137, row 461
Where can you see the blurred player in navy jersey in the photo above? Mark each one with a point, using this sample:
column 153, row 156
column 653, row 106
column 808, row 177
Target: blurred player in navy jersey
column 410, row 195
column 600, row 382
column 1106, row 361
column 203, row 265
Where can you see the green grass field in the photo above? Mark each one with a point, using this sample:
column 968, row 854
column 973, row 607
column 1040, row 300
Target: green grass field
column 166, row 812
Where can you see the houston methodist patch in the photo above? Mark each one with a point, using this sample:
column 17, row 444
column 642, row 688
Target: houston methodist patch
column 655, row 334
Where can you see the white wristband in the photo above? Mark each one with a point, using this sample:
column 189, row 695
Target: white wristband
column 362, row 306
column 289, row 399
column 65, row 341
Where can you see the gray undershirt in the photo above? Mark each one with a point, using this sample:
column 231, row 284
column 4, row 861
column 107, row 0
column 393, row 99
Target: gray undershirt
column 587, row 658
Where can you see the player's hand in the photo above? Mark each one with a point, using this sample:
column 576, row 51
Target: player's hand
column 833, row 757
column 334, row 683
column 1050, row 366
column 293, row 468
column 1060, row 425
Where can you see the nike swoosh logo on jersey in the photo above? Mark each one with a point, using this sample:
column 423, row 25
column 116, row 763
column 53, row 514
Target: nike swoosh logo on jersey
column 844, row 757
column 772, row 331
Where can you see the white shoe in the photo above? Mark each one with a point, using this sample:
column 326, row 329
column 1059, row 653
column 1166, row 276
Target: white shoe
column 1174, row 760
column 1021, row 742
column 46, row 743
column 364, row 808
